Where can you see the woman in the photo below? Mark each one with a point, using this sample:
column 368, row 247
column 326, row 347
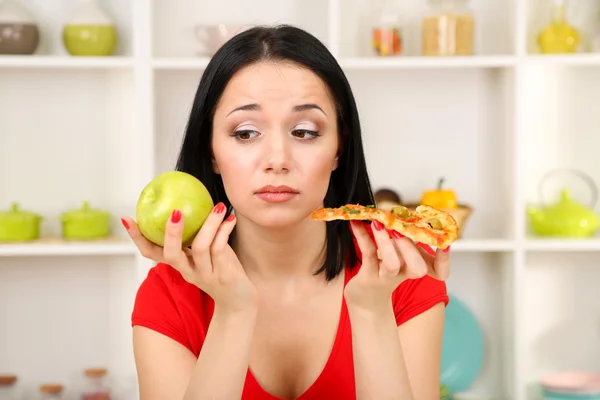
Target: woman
column 284, row 307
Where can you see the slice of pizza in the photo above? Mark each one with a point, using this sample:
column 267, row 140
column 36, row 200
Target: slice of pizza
column 424, row 224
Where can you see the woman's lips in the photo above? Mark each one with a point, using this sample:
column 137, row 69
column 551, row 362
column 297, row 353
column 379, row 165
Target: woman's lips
column 276, row 197
column 276, row 194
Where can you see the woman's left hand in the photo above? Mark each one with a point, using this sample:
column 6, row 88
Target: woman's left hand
column 387, row 263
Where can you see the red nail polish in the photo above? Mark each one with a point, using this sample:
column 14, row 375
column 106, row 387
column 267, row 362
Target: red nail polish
column 447, row 249
column 377, row 225
column 125, row 224
column 396, row 235
column 230, row 218
column 175, row 216
column 219, row 208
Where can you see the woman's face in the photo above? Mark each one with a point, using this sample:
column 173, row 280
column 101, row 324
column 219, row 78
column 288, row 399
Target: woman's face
column 275, row 143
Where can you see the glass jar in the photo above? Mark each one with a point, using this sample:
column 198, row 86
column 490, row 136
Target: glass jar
column 95, row 385
column 448, row 29
column 386, row 29
column 7, row 387
column 386, row 36
column 51, row 391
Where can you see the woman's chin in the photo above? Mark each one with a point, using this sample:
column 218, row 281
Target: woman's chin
column 279, row 223
column 281, row 220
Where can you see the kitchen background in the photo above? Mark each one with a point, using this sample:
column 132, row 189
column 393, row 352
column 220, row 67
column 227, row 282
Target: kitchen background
column 497, row 98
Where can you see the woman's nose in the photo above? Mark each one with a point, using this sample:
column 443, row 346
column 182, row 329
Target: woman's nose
column 277, row 152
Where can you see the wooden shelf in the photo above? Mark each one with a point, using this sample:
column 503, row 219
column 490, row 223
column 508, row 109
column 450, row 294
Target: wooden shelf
column 124, row 247
column 366, row 63
column 377, row 63
column 60, row 247
column 348, row 63
column 66, row 62
column 563, row 245
column 582, row 59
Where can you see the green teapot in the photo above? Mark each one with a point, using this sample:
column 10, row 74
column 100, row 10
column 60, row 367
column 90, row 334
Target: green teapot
column 566, row 218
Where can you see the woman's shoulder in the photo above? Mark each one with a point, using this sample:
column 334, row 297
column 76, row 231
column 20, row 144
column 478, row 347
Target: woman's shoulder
column 166, row 274
column 163, row 279
column 168, row 304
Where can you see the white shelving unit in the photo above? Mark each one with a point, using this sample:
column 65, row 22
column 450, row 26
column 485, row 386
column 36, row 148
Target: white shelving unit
column 98, row 129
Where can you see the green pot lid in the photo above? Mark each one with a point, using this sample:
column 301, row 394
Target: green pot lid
column 85, row 212
column 16, row 214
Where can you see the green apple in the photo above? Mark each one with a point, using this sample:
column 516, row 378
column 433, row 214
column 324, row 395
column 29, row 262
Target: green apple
column 173, row 190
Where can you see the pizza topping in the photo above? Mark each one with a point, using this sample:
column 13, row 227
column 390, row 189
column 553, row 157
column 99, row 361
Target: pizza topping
column 400, row 211
column 434, row 223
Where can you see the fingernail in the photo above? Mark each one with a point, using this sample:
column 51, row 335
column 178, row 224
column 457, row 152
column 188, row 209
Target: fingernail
column 396, row 235
column 175, row 216
column 230, row 218
column 219, row 208
column 377, row 225
column 447, row 249
column 125, row 224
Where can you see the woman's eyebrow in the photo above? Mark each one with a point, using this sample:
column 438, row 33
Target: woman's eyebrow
column 247, row 107
column 308, row 106
column 298, row 108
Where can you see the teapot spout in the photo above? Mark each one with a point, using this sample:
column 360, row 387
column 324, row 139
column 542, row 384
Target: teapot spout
column 532, row 211
column 537, row 219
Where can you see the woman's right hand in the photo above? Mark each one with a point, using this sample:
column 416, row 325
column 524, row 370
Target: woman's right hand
column 211, row 264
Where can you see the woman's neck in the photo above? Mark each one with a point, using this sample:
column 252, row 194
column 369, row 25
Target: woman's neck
column 280, row 254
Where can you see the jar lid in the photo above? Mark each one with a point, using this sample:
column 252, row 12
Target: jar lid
column 51, row 388
column 95, row 372
column 7, row 380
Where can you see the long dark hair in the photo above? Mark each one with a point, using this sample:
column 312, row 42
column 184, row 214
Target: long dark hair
column 349, row 182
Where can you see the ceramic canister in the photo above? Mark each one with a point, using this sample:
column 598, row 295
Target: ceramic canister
column 89, row 31
column 19, row 33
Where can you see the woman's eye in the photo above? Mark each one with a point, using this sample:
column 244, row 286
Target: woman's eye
column 304, row 133
column 245, row 134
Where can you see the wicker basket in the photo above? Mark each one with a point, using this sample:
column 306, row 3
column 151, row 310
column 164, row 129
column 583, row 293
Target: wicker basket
column 460, row 214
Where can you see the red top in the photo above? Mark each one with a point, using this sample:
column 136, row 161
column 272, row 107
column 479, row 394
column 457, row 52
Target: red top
column 168, row 304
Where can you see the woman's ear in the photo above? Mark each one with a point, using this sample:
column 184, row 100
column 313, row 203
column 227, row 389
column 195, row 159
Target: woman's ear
column 215, row 167
column 336, row 163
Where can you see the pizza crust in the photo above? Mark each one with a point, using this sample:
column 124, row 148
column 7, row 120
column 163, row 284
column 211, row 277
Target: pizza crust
column 413, row 224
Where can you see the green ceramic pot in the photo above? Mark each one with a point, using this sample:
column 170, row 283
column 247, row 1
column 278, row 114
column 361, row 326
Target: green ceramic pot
column 89, row 31
column 90, row 40
column 85, row 223
column 19, row 226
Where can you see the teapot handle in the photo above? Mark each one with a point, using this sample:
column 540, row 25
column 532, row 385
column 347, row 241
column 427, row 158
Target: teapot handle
column 582, row 175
